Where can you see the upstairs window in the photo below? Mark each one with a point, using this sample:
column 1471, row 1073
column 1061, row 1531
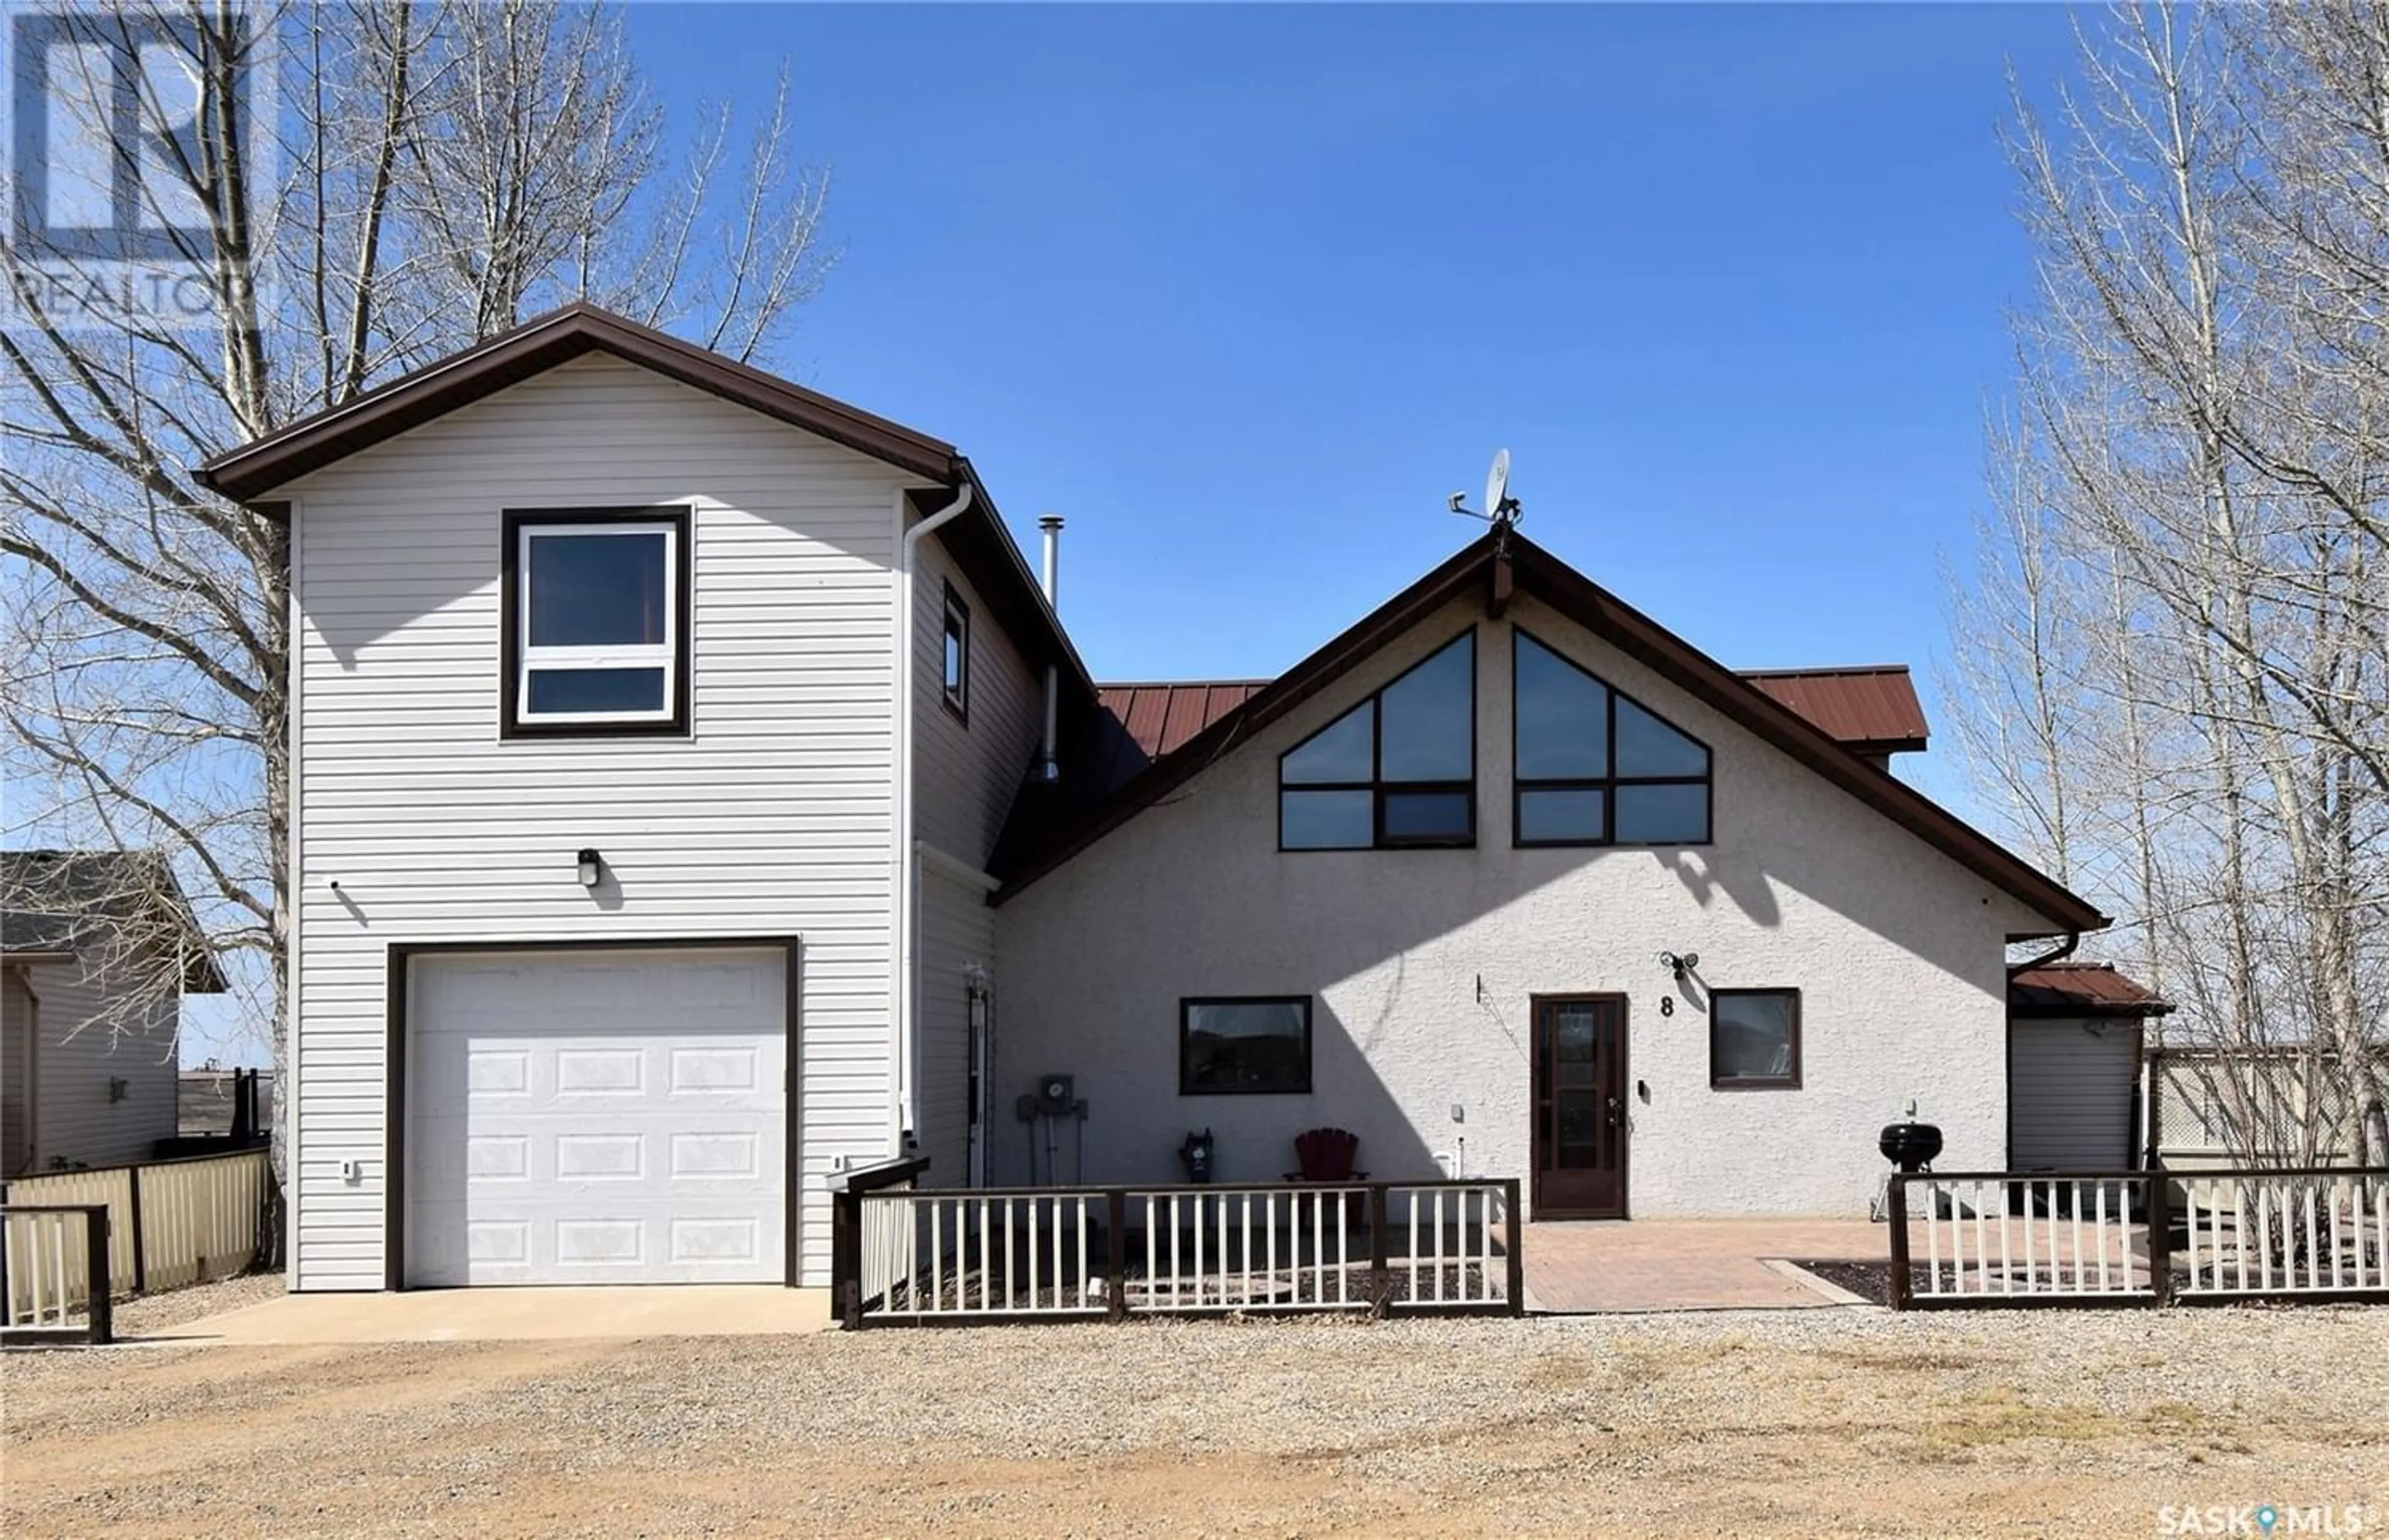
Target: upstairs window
column 1398, row 769
column 596, row 621
column 1594, row 767
column 953, row 656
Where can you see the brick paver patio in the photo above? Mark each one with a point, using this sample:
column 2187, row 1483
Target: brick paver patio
column 1592, row 1266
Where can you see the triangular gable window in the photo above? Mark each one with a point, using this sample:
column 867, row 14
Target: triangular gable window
column 1595, row 767
column 1397, row 770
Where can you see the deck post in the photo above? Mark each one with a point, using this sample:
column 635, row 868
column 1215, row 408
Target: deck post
column 1895, row 1211
column 1514, row 1226
column 845, row 1257
column 140, row 1247
column 2160, row 1211
column 103, row 1303
column 1116, row 1254
column 1381, row 1278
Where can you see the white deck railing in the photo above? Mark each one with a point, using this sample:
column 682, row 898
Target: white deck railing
column 53, row 1270
column 946, row 1256
column 2055, row 1238
column 2320, row 1233
column 2138, row 1237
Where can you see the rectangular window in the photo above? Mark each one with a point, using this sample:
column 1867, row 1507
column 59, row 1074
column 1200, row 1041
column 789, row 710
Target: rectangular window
column 596, row 625
column 1399, row 769
column 1755, row 1040
column 953, row 656
column 1244, row 1046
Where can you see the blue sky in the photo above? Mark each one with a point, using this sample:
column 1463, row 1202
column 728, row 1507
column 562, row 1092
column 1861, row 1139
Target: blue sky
column 1244, row 291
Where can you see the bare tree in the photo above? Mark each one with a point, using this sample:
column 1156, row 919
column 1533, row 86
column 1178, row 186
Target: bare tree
column 2205, row 453
column 425, row 175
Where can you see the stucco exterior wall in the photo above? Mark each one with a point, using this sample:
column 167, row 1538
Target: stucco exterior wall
column 1424, row 965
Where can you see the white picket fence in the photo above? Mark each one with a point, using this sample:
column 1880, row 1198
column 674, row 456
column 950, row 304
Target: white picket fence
column 171, row 1224
column 2138, row 1238
column 949, row 1257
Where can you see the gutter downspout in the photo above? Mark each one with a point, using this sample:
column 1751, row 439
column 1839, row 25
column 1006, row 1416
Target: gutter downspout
column 907, row 1023
column 2058, row 953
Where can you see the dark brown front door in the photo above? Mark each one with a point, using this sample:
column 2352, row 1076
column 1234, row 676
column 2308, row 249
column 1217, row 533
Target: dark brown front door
column 1580, row 1107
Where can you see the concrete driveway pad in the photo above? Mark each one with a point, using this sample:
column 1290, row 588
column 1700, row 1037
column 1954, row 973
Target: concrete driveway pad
column 514, row 1315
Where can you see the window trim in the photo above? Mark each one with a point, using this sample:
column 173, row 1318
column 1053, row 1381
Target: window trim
column 514, row 622
column 957, row 697
column 1605, row 785
column 1789, row 1081
column 1186, row 1004
column 1376, row 785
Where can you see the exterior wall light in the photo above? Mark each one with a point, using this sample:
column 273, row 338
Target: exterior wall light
column 589, row 863
column 1680, row 963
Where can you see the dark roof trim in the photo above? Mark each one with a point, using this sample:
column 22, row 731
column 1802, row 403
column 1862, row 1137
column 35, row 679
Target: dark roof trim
column 539, row 345
column 979, row 539
column 1639, row 636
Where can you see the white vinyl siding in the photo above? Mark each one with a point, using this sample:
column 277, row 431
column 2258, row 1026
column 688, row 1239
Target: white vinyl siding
column 957, row 930
column 966, row 777
column 87, row 1034
column 2071, row 1086
column 771, row 818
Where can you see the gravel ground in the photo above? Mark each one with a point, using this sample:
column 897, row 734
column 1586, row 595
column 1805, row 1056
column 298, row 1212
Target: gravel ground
column 1810, row 1423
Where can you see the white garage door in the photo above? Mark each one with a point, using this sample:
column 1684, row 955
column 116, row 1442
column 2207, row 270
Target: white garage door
column 596, row 1117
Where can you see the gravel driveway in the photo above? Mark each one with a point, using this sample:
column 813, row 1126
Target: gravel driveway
column 1810, row 1423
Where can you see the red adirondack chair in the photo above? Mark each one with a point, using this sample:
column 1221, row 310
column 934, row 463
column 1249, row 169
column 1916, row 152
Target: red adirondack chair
column 1326, row 1155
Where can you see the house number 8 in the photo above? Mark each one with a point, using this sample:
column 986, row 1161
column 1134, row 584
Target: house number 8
column 1667, row 1005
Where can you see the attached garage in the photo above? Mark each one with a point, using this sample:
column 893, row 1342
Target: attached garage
column 592, row 1115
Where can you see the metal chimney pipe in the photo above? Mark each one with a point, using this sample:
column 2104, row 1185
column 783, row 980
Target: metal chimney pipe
column 1052, row 524
column 1049, row 759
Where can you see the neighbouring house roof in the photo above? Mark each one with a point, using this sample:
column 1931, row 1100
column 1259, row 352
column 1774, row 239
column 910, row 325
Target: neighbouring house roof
column 979, row 539
column 54, row 903
column 1047, row 831
column 1870, row 710
column 2080, row 989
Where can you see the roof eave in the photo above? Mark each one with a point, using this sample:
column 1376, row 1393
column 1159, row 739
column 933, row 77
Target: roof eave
column 1639, row 636
column 538, row 344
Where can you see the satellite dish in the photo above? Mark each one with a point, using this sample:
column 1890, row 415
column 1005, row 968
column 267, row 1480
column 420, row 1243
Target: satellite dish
column 1501, row 508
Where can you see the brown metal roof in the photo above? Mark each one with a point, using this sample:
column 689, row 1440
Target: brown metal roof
column 2080, row 989
column 1524, row 565
column 1160, row 718
column 1871, row 708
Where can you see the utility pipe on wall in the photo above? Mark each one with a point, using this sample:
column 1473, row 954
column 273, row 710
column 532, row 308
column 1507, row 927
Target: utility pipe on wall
column 907, row 1025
